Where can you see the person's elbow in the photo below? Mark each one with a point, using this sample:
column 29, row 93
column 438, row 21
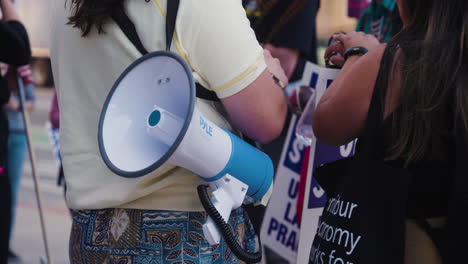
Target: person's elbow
column 272, row 128
column 328, row 130
column 258, row 111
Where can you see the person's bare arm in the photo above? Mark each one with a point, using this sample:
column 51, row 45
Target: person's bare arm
column 259, row 110
column 342, row 111
column 224, row 51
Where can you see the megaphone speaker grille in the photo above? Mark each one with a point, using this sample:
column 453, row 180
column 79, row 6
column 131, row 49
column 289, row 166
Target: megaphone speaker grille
column 157, row 90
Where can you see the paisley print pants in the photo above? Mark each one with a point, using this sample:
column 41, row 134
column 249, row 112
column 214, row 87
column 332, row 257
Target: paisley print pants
column 129, row 236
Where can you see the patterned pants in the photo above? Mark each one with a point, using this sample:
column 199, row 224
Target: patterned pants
column 129, row 236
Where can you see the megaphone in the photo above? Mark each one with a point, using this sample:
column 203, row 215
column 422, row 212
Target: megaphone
column 150, row 118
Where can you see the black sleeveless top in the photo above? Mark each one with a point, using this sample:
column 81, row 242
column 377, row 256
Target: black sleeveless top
column 438, row 188
column 431, row 180
column 430, row 184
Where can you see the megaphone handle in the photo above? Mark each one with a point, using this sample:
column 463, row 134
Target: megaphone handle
column 228, row 194
column 223, row 228
column 224, row 206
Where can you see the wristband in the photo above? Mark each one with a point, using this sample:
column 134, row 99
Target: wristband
column 355, row 51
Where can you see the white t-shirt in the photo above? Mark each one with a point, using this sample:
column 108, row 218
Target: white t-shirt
column 213, row 36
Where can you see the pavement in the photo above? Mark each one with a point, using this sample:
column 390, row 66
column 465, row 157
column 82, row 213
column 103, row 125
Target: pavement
column 27, row 241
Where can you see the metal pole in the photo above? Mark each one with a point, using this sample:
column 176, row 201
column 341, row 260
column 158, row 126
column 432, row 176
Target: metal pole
column 33, row 167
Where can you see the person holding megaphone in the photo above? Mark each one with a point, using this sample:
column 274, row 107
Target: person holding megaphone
column 156, row 217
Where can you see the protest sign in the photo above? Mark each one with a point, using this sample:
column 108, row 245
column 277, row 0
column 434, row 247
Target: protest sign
column 280, row 229
column 315, row 196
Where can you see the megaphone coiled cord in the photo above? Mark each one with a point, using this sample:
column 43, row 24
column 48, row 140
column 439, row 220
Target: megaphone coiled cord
column 231, row 242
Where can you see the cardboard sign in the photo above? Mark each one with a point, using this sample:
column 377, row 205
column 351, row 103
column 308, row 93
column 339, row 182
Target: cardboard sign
column 315, row 197
column 280, row 229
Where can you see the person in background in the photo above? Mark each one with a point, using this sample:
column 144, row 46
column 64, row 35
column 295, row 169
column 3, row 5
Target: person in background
column 355, row 7
column 17, row 140
column 380, row 19
column 287, row 28
column 14, row 50
column 422, row 75
column 156, row 218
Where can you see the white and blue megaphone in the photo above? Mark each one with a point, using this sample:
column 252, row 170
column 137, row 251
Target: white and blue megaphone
column 150, row 118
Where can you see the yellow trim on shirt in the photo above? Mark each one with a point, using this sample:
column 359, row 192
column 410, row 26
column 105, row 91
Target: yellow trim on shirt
column 176, row 40
column 241, row 76
column 159, row 5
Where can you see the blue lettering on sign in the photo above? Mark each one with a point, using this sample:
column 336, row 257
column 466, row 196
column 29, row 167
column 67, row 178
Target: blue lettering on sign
column 290, row 213
column 283, row 234
column 295, row 153
column 206, row 127
column 329, row 82
column 314, row 80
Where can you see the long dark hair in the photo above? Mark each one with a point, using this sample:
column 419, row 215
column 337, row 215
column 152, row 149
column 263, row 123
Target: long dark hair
column 432, row 56
column 87, row 14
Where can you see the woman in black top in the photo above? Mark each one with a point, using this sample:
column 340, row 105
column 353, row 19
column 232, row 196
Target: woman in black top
column 425, row 68
column 14, row 50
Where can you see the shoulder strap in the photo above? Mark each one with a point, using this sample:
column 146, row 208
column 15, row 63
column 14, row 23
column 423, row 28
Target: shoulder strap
column 128, row 28
column 206, row 94
column 172, row 10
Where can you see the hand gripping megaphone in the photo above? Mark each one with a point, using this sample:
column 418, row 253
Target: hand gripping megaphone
column 150, row 118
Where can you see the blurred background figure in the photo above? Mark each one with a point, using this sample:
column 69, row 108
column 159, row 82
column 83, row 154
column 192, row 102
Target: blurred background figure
column 14, row 50
column 287, row 29
column 355, row 7
column 380, row 19
column 17, row 140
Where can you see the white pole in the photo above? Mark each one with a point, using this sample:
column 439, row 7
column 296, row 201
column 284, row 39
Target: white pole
column 33, row 167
